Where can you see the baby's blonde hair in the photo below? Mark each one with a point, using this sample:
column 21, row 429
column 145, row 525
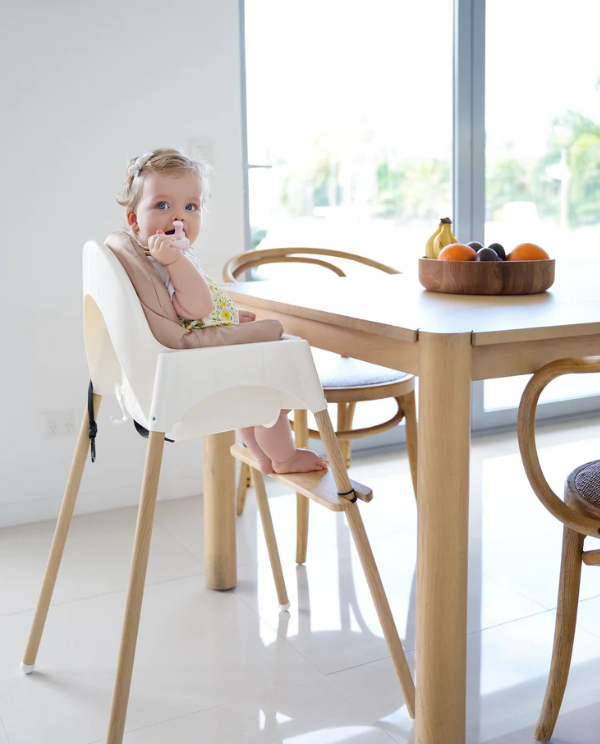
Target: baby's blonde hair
column 165, row 160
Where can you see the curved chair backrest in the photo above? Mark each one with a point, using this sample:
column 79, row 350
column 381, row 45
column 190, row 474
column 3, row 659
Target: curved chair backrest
column 118, row 339
column 573, row 519
column 251, row 259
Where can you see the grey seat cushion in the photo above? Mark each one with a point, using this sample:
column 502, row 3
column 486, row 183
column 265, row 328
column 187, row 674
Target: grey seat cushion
column 341, row 372
column 587, row 483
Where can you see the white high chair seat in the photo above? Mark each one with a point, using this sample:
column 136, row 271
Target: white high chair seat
column 191, row 392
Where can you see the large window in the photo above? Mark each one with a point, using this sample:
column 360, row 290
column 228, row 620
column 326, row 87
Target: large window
column 543, row 126
column 542, row 101
column 350, row 110
column 349, row 107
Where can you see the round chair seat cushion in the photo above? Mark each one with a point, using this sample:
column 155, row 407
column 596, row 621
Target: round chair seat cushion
column 587, row 483
column 336, row 371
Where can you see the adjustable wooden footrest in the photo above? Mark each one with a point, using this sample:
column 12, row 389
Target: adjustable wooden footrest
column 318, row 486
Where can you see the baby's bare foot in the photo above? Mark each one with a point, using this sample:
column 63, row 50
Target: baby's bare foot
column 265, row 466
column 303, row 461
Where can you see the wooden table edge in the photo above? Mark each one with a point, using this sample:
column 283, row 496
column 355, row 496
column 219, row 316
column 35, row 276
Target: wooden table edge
column 489, row 338
column 251, row 302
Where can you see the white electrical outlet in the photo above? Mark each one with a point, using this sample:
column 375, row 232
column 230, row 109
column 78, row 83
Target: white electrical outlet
column 50, row 425
column 60, row 423
column 70, row 423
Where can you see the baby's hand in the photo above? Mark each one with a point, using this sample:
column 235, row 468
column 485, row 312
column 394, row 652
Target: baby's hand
column 246, row 316
column 161, row 249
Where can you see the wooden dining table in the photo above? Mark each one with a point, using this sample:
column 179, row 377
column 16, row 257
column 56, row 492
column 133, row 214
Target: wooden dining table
column 447, row 341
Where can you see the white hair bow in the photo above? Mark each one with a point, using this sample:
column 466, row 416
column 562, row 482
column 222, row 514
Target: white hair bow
column 134, row 170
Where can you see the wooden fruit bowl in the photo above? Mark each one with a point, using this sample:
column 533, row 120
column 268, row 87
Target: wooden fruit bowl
column 486, row 277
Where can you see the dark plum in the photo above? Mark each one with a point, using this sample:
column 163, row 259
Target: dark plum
column 475, row 245
column 487, row 254
column 499, row 250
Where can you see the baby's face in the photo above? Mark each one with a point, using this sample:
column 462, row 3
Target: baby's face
column 164, row 199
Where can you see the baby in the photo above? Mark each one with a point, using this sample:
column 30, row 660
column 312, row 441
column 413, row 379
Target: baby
column 165, row 187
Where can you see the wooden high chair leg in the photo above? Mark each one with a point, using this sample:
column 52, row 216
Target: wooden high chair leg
column 564, row 634
column 60, row 538
column 384, row 612
column 242, row 488
column 407, row 402
column 135, row 592
column 267, row 523
column 367, row 560
column 302, row 503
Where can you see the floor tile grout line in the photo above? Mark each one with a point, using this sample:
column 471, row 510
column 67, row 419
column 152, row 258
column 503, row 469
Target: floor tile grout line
column 362, row 664
column 509, row 622
column 174, row 537
column 377, row 725
column 102, row 594
column 595, row 633
column 530, row 599
column 279, row 635
column 516, row 591
column 169, row 720
column 541, row 611
column 353, row 702
column 179, row 542
column 4, row 728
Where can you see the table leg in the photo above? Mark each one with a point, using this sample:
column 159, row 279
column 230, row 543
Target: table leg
column 219, row 511
column 443, row 501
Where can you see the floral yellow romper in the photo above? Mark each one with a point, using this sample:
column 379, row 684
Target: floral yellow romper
column 224, row 311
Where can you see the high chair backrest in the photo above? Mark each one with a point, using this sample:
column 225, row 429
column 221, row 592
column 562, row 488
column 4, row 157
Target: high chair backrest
column 185, row 392
column 117, row 336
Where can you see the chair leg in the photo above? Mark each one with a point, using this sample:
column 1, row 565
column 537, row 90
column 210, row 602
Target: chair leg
column 58, row 543
column 384, row 612
column 302, row 503
column 367, row 560
column 135, row 592
column 564, row 634
column 242, row 489
column 341, row 425
column 410, row 419
column 267, row 523
column 345, row 423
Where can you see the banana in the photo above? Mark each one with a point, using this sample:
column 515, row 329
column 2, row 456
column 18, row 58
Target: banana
column 429, row 244
column 444, row 237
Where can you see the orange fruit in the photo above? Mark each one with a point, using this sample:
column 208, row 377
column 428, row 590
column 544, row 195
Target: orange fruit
column 457, row 252
column 527, row 252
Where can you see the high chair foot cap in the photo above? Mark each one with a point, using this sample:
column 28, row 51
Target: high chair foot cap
column 27, row 668
column 284, row 607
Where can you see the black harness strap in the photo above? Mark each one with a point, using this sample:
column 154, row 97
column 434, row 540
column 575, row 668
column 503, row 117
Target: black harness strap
column 143, row 432
column 348, row 494
column 93, row 426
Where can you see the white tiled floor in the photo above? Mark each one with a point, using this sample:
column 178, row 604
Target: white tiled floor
column 229, row 668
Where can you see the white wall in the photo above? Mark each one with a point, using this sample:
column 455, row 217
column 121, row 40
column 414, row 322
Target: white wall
column 84, row 87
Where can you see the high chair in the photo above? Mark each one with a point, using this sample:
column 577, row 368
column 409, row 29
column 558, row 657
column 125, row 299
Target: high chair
column 580, row 514
column 193, row 393
column 345, row 381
